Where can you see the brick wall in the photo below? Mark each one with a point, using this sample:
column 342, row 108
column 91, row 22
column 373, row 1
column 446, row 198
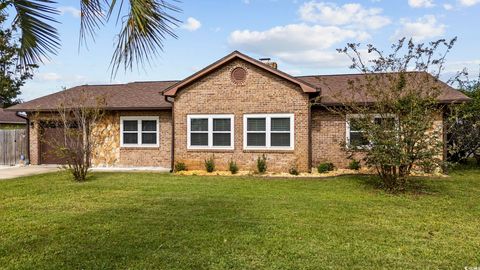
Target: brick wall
column 329, row 135
column 34, row 138
column 262, row 92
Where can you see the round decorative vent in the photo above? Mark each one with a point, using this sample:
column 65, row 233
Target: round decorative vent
column 239, row 75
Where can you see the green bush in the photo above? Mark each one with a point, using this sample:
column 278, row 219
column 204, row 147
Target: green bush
column 180, row 166
column 293, row 171
column 354, row 165
column 427, row 166
column 325, row 167
column 210, row 165
column 232, row 167
column 262, row 164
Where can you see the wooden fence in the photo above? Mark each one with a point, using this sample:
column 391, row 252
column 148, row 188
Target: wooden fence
column 13, row 145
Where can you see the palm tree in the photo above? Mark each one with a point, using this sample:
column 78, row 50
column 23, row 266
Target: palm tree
column 145, row 24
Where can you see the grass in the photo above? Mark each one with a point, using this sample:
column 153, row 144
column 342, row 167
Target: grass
column 146, row 220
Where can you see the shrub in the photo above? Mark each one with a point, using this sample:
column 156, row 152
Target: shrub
column 180, row 166
column 210, row 165
column 427, row 166
column 293, row 171
column 354, row 165
column 262, row 164
column 325, row 167
column 232, row 167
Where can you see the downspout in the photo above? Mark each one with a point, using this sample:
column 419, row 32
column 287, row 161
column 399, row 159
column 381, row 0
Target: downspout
column 310, row 146
column 27, row 159
column 311, row 102
column 172, row 150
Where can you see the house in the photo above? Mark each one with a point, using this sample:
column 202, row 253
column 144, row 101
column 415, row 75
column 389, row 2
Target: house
column 237, row 108
column 10, row 120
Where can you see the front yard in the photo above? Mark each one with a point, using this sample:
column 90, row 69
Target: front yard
column 146, row 220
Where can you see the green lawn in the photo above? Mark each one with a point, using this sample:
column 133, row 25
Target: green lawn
column 146, row 220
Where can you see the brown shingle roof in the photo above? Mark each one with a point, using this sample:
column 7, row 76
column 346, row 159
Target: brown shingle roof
column 146, row 95
column 130, row 96
column 336, row 89
column 9, row 117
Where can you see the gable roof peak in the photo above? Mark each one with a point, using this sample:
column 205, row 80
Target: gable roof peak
column 172, row 91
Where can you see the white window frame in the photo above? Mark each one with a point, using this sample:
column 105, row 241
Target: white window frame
column 210, row 131
column 139, row 131
column 268, row 131
column 372, row 118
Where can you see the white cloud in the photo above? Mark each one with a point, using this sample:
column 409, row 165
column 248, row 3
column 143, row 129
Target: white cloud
column 70, row 10
column 349, row 14
column 423, row 28
column 471, row 65
column 294, row 37
column 49, row 76
column 469, row 3
column 421, row 3
column 447, row 6
column 298, row 43
column 192, row 24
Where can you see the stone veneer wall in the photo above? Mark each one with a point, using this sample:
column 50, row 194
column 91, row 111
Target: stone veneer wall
column 329, row 134
column 110, row 153
column 262, row 92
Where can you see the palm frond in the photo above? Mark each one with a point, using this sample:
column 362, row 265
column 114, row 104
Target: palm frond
column 39, row 38
column 92, row 17
column 143, row 32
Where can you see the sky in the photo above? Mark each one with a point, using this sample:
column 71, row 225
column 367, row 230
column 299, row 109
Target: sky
column 301, row 36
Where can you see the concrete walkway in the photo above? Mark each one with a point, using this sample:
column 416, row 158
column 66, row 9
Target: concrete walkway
column 8, row 172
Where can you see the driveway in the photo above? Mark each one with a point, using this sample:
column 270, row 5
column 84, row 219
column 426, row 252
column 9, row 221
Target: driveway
column 8, row 172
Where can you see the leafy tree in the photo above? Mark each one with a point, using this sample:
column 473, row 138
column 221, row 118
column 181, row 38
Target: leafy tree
column 76, row 133
column 12, row 74
column 144, row 26
column 463, row 122
column 394, row 107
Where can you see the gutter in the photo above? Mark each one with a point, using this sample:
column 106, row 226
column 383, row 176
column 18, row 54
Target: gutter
column 27, row 159
column 172, row 150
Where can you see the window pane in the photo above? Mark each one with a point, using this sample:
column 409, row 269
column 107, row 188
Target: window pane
column 130, row 138
column 221, row 139
column 199, row 124
column 256, row 124
column 280, row 124
column 199, row 139
column 280, row 139
column 256, row 139
column 355, row 124
column 130, row 125
column 358, row 139
column 221, row 124
column 386, row 123
column 149, row 138
column 149, row 125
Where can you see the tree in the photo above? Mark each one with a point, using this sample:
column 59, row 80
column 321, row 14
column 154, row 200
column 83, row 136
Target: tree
column 12, row 75
column 463, row 123
column 73, row 122
column 144, row 26
column 394, row 108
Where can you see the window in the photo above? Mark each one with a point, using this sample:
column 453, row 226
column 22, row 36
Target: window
column 210, row 131
column 139, row 131
column 268, row 131
column 356, row 136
